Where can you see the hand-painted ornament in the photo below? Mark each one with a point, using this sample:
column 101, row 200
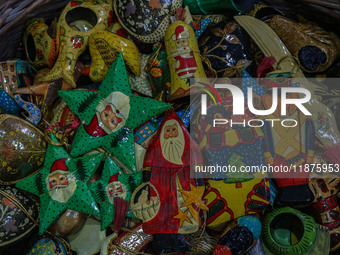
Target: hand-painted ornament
column 76, row 23
column 41, row 43
column 325, row 208
column 168, row 202
column 312, row 45
column 13, row 75
column 158, row 72
column 33, row 111
column 109, row 115
column 225, row 50
column 288, row 231
column 240, row 235
column 104, row 49
column 146, row 21
column 61, row 184
column 141, row 84
column 113, row 184
column 22, row 149
column 134, row 240
column 289, row 146
column 48, row 246
column 15, row 223
column 184, row 59
column 200, row 26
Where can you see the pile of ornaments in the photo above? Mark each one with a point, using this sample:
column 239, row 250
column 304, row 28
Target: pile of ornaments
column 96, row 154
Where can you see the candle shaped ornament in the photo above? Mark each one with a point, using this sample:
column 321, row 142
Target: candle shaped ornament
column 184, row 59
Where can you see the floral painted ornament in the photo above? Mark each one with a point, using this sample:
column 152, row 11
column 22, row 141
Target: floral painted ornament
column 109, row 116
column 78, row 21
column 61, row 184
column 113, row 184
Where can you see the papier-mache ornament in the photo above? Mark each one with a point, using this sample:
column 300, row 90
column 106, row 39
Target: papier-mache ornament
column 291, row 146
column 50, row 246
column 13, row 75
column 114, row 185
column 15, row 222
column 76, row 23
column 287, row 231
column 169, row 201
column 185, row 63
column 108, row 116
column 62, row 184
column 104, row 49
column 22, row 149
column 41, row 42
column 146, row 21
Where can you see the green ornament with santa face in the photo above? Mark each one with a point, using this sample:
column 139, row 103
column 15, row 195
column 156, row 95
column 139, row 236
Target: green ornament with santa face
column 109, row 116
column 114, row 185
column 62, row 184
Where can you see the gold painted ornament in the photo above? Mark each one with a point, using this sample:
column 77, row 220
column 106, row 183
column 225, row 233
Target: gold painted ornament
column 78, row 21
column 104, row 49
column 186, row 68
column 22, row 149
column 41, row 43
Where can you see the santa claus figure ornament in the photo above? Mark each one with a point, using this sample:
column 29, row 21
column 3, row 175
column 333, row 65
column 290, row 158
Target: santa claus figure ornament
column 168, row 201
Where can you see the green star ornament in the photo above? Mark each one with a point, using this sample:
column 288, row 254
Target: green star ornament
column 109, row 116
column 114, row 183
column 62, row 184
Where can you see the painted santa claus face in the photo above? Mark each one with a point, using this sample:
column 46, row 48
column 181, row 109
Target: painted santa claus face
column 181, row 43
column 109, row 118
column 172, row 142
column 113, row 111
column 58, row 181
column 61, row 185
column 115, row 189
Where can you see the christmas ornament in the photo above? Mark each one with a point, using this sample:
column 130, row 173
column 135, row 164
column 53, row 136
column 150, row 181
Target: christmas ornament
column 109, row 116
column 17, row 208
column 61, row 184
column 22, row 149
column 225, row 49
column 168, row 202
column 76, row 23
column 41, row 42
column 13, row 75
column 206, row 7
column 312, row 45
column 184, row 59
column 114, row 184
column 146, row 20
column 104, row 48
column 141, row 84
column 288, row 231
column 48, row 246
column 240, row 236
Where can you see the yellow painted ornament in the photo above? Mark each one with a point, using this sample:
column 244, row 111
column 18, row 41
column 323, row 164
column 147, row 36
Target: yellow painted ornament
column 227, row 201
column 41, row 43
column 78, row 21
column 104, row 49
column 184, row 59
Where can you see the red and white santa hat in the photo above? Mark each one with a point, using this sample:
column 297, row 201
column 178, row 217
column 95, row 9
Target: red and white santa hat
column 114, row 179
column 59, row 167
column 180, row 33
